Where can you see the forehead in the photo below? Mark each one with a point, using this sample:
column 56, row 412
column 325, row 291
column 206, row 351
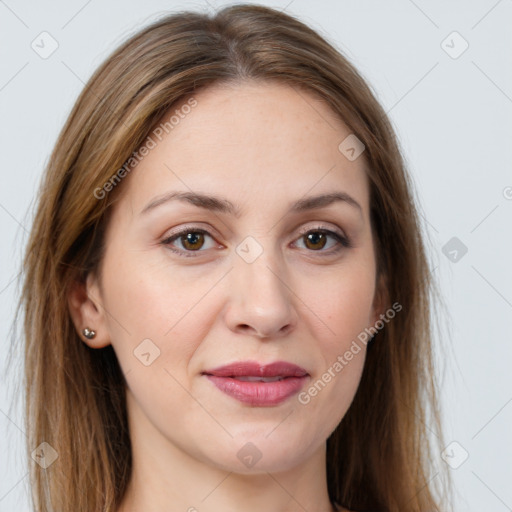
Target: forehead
column 263, row 140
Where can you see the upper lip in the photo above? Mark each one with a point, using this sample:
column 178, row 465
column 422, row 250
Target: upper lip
column 255, row 369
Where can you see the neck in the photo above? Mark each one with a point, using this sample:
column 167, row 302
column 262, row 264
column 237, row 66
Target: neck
column 167, row 478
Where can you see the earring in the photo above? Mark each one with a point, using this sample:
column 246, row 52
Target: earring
column 88, row 333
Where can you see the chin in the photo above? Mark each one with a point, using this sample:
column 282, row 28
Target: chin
column 260, row 454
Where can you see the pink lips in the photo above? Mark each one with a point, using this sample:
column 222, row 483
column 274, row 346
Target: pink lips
column 254, row 384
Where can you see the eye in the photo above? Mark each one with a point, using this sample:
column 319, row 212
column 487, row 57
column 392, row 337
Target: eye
column 318, row 238
column 191, row 240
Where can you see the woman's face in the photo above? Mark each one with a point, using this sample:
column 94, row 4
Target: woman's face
column 245, row 267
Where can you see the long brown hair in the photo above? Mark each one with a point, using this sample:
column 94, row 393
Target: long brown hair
column 378, row 456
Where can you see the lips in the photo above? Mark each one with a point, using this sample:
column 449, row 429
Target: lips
column 256, row 384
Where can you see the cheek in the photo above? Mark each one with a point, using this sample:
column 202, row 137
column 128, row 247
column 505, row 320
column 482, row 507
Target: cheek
column 145, row 302
column 345, row 308
column 345, row 303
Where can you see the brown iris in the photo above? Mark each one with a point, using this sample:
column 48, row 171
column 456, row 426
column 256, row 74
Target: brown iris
column 193, row 240
column 313, row 239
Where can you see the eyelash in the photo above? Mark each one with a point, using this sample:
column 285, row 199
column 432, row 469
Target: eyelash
column 343, row 242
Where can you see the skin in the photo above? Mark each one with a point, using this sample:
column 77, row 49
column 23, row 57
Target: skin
column 262, row 146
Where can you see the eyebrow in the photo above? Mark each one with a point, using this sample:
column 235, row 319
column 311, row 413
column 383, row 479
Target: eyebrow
column 222, row 205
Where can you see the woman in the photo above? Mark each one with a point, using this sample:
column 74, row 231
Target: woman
column 227, row 296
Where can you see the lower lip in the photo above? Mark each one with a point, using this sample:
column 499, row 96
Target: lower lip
column 259, row 393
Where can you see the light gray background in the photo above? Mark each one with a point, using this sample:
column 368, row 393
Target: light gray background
column 453, row 118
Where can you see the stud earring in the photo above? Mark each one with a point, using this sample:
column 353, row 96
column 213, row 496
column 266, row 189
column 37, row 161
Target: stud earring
column 88, row 333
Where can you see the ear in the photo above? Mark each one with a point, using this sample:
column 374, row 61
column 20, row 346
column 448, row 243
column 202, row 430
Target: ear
column 86, row 308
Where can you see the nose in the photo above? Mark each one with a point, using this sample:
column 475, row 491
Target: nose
column 261, row 302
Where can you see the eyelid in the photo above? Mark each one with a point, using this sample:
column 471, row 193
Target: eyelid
column 187, row 228
column 322, row 227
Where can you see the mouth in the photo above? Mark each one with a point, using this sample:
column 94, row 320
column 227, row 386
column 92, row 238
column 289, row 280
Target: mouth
column 251, row 378
column 256, row 384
